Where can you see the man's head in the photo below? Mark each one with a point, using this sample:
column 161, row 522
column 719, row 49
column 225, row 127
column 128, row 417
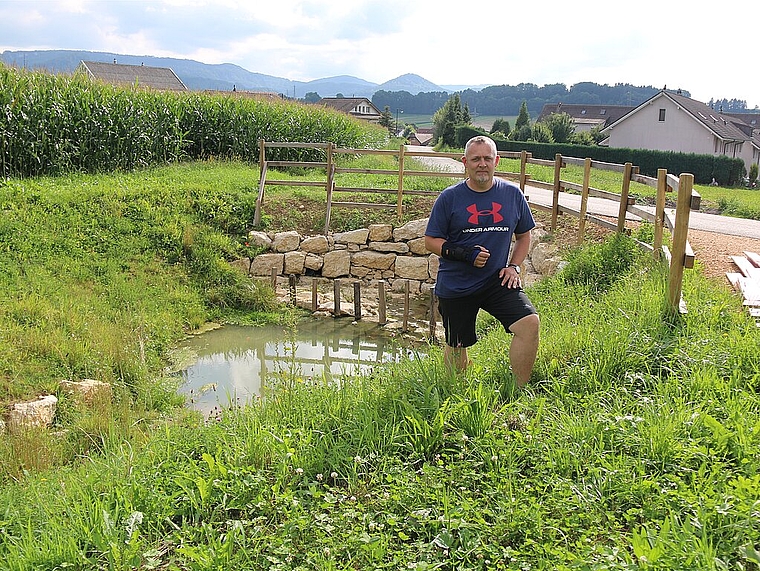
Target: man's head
column 480, row 160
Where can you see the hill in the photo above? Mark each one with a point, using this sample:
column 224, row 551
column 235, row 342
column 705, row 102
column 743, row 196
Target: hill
column 223, row 77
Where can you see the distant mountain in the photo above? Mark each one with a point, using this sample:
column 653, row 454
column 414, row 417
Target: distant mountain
column 223, row 77
column 410, row 82
column 348, row 85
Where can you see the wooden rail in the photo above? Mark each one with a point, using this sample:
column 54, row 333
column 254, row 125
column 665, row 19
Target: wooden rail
column 681, row 257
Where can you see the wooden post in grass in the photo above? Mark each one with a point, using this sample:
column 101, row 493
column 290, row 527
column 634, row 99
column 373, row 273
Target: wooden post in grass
column 659, row 211
column 329, row 186
column 624, row 191
column 555, row 194
column 381, row 315
column 680, row 234
column 584, row 200
column 400, row 196
column 524, row 156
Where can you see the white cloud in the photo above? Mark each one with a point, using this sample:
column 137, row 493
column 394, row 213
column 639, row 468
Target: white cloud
column 487, row 42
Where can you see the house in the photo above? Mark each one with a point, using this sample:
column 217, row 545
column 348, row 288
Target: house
column 159, row 78
column 359, row 107
column 586, row 117
column 669, row 121
column 423, row 137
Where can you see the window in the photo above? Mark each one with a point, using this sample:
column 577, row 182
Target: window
column 662, row 115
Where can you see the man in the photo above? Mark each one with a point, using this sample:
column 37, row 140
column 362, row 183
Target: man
column 471, row 227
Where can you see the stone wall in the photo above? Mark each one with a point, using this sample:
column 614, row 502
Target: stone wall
column 379, row 252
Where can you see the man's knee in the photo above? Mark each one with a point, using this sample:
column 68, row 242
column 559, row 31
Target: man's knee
column 527, row 326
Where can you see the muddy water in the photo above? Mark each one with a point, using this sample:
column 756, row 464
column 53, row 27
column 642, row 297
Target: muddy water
column 231, row 365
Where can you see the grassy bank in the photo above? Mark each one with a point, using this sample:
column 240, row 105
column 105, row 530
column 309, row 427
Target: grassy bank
column 634, row 447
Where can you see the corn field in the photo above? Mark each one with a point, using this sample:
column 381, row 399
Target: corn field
column 55, row 124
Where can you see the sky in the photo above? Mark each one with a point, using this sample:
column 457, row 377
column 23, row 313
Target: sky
column 657, row 43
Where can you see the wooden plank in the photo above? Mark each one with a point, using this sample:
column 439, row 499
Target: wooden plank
column 746, row 267
column 753, row 257
column 297, row 164
column 294, row 183
column 733, row 279
column 363, row 205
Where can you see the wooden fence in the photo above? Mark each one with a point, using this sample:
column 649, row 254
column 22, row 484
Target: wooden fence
column 677, row 221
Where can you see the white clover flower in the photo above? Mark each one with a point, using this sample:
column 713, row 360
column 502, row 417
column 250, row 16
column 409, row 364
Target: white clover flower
column 299, row 471
column 320, row 477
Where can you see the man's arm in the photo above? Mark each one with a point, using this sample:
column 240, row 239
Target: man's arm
column 436, row 246
column 509, row 276
column 521, row 249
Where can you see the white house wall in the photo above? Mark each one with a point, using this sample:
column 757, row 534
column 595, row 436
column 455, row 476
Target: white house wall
column 679, row 132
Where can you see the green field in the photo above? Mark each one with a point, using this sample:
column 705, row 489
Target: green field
column 426, row 121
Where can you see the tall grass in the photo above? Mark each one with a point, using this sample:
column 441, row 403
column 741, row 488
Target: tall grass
column 632, row 448
column 53, row 124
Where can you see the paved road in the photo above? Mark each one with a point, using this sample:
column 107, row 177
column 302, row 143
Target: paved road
column 603, row 207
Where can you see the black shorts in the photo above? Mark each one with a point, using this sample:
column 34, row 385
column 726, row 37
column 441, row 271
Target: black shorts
column 507, row 305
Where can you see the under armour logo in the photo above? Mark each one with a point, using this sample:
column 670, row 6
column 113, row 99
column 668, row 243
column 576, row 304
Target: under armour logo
column 476, row 214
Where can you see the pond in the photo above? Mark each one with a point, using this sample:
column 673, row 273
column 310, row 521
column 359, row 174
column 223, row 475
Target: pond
column 230, row 365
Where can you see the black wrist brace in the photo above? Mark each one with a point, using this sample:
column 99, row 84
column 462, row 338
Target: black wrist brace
column 451, row 251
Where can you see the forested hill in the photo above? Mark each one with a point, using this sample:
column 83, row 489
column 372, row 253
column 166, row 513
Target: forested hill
column 505, row 100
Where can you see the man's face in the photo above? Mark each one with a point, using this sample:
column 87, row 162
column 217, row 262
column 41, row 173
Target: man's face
column 480, row 164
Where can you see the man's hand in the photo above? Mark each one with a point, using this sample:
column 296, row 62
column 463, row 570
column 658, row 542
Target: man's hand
column 510, row 277
column 482, row 257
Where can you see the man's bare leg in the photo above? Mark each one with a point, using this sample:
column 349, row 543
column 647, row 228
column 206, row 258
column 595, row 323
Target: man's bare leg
column 524, row 347
column 455, row 358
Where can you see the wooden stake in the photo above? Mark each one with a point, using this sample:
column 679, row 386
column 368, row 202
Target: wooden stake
column 336, row 298
column 357, row 301
column 381, row 315
column 405, row 326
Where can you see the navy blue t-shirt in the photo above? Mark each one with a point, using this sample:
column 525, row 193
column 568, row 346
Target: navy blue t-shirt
column 469, row 218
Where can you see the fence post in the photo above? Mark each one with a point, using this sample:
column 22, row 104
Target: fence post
column 680, row 233
column 400, row 197
column 329, row 186
column 584, row 200
column 624, row 191
column 555, row 194
column 405, row 325
column 381, row 319
column 262, row 182
column 659, row 211
column 336, row 298
column 357, row 301
column 314, row 295
column 524, row 155
column 433, row 316
column 292, row 289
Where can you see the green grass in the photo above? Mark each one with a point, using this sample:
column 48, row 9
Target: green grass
column 634, row 447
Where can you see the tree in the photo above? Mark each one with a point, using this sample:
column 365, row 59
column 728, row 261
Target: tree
column 386, row 119
column 523, row 119
column 561, row 126
column 312, row 97
column 446, row 119
column 500, row 126
column 541, row 133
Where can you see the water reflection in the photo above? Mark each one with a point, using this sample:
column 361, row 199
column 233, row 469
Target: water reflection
column 231, row 364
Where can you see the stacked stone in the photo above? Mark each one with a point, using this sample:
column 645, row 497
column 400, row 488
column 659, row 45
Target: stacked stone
column 371, row 254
